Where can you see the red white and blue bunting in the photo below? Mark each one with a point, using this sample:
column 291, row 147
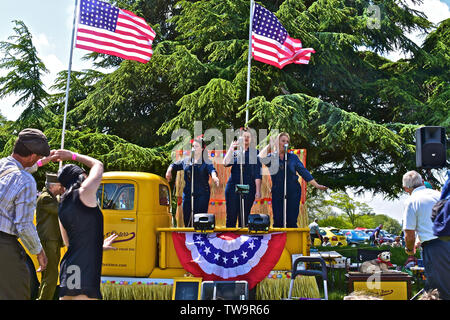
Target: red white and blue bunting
column 229, row 256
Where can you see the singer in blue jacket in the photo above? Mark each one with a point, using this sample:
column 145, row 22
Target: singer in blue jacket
column 202, row 171
column 293, row 188
column 251, row 172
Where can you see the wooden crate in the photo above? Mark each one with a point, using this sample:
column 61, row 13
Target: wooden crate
column 387, row 285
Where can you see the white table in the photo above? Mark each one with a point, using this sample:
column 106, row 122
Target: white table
column 331, row 258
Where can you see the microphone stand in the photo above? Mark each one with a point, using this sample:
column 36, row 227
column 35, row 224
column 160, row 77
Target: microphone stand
column 192, row 187
column 285, row 186
column 242, row 182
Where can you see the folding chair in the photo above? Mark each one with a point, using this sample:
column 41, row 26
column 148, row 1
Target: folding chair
column 323, row 273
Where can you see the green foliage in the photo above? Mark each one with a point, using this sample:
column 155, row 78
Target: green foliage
column 351, row 208
column 25, row 70
column 116, row 153
column 340, row 222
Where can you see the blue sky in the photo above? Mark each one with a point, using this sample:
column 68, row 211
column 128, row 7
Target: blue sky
column 50, row 22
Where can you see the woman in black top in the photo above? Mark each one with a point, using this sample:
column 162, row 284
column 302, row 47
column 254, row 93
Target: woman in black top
column 81, row 223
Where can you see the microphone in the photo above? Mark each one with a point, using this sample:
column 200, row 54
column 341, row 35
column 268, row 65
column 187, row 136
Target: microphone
column 285, row 146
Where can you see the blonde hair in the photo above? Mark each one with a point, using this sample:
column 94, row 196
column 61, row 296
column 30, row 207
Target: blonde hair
column 283, row 134
column 277, row 141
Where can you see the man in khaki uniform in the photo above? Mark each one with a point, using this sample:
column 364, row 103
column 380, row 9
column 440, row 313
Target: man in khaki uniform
column 47, row 225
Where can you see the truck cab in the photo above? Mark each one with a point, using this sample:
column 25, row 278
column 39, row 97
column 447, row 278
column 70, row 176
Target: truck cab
column 134, row 206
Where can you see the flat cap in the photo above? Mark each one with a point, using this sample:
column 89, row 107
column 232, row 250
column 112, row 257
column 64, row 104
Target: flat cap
column 35, row 141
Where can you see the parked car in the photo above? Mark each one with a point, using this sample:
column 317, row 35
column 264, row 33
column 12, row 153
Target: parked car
column 356, row 236
column 383, row 237
column 337, row 238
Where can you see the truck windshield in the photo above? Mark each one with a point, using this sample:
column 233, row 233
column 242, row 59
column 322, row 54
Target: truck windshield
column 116, row 196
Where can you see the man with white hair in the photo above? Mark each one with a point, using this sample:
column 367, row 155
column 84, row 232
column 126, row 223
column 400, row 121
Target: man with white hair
column 417, row 221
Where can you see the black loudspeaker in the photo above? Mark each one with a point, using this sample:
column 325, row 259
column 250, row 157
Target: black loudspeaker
column 204, row 222
column 431, row 147
column 258, row 222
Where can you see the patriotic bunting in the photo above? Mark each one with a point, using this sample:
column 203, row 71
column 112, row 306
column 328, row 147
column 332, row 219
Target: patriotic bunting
column 229, row 256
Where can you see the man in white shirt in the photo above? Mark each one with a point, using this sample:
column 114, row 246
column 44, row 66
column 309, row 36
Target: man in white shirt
column 417, row 222
column 314, row 231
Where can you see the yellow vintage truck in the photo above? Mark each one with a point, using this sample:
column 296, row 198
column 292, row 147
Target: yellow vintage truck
column 136, row 207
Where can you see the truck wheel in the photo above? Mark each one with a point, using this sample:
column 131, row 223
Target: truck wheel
column 34, row 282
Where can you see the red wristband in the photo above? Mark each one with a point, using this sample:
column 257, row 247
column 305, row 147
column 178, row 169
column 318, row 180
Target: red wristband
column 74, row 156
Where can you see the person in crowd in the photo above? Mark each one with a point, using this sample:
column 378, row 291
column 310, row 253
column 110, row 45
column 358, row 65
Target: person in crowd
column 397, row 243
column 326, row 242
column 417, row 222
column 251, row 174
column 47, row 226
column 17, row 204
column 428, row 185
column 314, row 231
column 202, row 172
column 293, row 190
column 441, row 213
column 376, row 235
column 81, row 224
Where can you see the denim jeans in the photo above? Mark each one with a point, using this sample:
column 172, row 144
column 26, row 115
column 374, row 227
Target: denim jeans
column 436, row 261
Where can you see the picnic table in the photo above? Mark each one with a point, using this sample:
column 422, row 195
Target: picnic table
column 333, row 259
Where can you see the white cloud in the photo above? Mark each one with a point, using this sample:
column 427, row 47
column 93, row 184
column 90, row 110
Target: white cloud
column 391, row 208
column 40, row 41
column 8, row 111
column 54, row 65
column 435, row 11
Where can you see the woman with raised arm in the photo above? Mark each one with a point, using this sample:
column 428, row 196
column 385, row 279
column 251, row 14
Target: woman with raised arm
column 81, row 223
column 251, row 176
column 202, row 171
column 293, row 188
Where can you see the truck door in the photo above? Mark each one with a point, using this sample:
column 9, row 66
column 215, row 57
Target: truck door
column 119, row 207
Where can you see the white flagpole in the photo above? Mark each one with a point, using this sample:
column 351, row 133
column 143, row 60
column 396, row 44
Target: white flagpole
column 249, row 59
column 69, row 70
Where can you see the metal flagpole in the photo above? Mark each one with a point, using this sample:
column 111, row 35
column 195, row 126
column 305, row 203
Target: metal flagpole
column 68, row 77
column 249, row 59
column 285, row 186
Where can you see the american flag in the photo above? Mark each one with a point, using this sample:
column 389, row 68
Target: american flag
column 107, row 29
column 271, row 43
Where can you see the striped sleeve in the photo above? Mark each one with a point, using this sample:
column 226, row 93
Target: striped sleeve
column 25, row 204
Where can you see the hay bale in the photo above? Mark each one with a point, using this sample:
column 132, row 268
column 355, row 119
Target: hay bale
column 277, row 289
column 114, row 291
